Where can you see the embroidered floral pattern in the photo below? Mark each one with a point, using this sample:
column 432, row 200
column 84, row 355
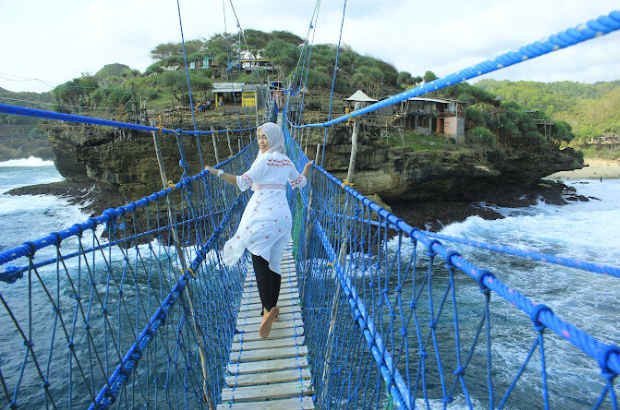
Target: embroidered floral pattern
column 298, row 181
column 279, row 163
column 270, row 186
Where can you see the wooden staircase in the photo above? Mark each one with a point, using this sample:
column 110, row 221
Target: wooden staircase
column 271, row 373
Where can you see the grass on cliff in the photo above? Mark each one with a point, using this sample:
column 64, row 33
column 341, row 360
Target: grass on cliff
column 420, row 142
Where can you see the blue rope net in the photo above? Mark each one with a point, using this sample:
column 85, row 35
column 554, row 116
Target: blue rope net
column 393, row 318
column 134, row 308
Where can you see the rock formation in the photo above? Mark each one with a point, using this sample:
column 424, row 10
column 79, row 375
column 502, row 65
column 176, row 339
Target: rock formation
column 125, row 161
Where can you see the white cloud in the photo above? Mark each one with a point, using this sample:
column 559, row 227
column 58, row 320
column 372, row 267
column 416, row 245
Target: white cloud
column 56, row 42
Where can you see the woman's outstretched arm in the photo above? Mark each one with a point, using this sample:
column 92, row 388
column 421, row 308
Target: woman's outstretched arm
column 231, row 179
column 307, row 169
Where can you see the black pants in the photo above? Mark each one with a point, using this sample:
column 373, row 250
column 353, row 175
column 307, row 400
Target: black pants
column 268, row 283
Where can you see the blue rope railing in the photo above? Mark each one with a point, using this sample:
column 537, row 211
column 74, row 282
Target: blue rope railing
column 389, row 319
column 51, row 115
column 531, row 255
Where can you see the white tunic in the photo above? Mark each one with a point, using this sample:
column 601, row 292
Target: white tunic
column 265, row 226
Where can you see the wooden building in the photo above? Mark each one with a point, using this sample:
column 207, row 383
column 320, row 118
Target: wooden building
column 440, row 115
column 244, row 95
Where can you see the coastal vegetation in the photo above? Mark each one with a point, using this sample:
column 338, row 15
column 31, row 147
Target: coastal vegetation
column 21, row 137
column 499, row 114
column 592, row 110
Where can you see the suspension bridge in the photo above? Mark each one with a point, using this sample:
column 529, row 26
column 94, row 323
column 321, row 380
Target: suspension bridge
column 134, row 308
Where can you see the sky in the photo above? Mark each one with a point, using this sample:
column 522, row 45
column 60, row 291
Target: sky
column 46, row 43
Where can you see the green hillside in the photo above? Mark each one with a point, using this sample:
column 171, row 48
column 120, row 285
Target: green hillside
column 580, row 112
column 592, row 110
column 20, row 137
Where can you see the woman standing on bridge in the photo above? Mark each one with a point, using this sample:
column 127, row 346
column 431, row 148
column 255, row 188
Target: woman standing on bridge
column 265, row 227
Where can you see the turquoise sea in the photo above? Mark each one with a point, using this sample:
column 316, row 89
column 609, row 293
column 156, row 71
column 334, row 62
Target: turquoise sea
column 581, row 230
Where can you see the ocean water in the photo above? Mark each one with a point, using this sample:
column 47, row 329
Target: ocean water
column 588, row 231
column 584, row 230
column 24, row 218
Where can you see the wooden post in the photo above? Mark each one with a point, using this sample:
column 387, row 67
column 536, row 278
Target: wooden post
column 301, row 140
column 229, row 146
column 214, row 137
column 316, row 157
column 356, row 127
column 181, row 255
column 334, row 313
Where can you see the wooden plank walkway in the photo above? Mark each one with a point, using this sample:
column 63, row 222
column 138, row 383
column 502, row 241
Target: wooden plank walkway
column 270, row 373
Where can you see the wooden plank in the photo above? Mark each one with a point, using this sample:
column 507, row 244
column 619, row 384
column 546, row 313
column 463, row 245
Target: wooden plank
column 267, row 354
column 283, row 296
column 284, row 281
column 285, row 264
column 255, row 295
column 269, row 391
column 257, row 306
column 286, row 404
column 290, row 332
column 267, row 365
column 268, row 344
column 253, row 327
column 269, row 373
column 286, row 306
column 285, row 287
column 258, row 319
column 280, row 376
column 286, row 278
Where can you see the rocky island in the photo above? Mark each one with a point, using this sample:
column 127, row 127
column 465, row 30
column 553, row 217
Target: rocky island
column 429, row 188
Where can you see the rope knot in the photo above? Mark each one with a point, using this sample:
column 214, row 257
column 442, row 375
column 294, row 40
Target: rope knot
column 603, row 361
column 190, row 270
column 58, row 238
column 535, row 316
column 430, row 252
column 449, row 264
column 32, row 246
column 480, row 276
column 11, row 274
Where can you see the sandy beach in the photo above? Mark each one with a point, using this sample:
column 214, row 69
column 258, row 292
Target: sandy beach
column 594, row 169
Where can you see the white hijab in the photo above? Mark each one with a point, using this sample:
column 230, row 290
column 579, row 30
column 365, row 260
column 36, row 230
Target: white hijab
column 275, row 137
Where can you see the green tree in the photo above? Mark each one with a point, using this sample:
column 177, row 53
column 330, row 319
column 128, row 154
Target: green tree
column 193, row 47
column 174, row 82
column 429, row 76
column 163, row 51
column 318, row 80
column 283, row 55
column 153, row 69
column 287, row 37
column 368, row 78
column 257, row 40
column 405, row 80
column 75, row 94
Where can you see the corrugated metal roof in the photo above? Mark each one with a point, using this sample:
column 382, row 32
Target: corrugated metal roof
column 437, row 100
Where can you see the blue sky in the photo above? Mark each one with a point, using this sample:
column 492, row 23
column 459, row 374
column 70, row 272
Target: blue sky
column 47, row 43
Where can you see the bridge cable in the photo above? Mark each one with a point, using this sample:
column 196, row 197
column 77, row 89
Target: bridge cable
column 331, row 96
column 189, row 87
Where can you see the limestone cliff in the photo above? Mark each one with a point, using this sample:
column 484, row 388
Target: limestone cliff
column 126, row 160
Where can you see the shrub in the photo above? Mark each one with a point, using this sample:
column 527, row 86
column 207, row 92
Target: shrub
column 475, row 117
column 536, row 137
column 482, row 135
